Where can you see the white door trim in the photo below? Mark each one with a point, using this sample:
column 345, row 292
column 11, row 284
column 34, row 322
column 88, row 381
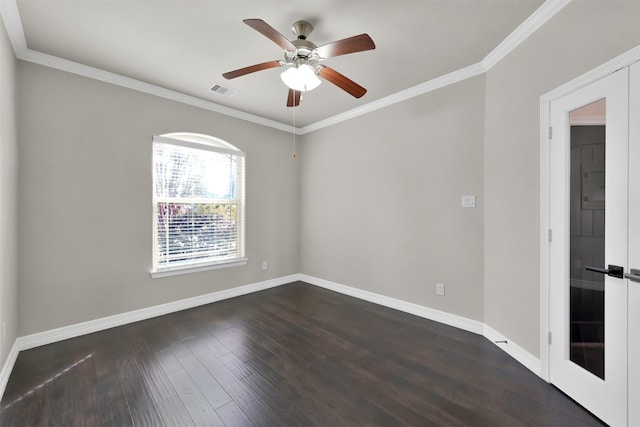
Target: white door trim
column 621, row 61
column 634, row 244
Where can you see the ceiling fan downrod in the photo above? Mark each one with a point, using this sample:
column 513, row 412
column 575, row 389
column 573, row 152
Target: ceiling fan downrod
column 301, row 29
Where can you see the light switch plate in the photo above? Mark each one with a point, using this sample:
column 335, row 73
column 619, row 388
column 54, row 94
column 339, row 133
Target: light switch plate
column 469, row 201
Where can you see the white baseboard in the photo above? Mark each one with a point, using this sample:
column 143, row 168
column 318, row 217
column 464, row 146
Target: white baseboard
column 512, row 349
column 54, row 335
column 408, row 307
column 72, row 331
column 8, row 367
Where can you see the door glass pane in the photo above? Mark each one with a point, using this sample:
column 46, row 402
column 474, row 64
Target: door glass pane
column 587, row 214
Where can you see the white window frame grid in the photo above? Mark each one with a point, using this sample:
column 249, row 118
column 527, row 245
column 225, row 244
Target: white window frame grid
column 204, row 143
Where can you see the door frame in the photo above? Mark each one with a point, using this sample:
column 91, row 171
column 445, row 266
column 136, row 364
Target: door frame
column 624, row 60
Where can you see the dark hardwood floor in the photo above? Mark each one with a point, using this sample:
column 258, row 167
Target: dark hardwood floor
column 295, row 355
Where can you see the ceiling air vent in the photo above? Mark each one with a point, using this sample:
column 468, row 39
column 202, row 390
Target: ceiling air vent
column 222, row 90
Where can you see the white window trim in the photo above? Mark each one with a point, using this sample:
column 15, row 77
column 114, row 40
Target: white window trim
column 200, row 145
column 191, row 267
column 194, row 268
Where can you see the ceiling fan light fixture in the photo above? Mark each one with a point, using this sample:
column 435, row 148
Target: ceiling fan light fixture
column 302, row 78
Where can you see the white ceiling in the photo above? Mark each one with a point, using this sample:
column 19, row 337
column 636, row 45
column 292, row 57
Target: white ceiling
column 186, row 45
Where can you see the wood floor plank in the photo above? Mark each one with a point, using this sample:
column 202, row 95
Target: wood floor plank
column 293, row 355
column 307, row 410
column 154, row 377
column 212, row 391
column 60, row 397
column 242, row 395
column 196, row 345
column 113, row 402
column 141, row 405
column 233, row 416
column 87, row 411
column 263, row 415
column 262, row 368
column 174, row 413
column 168, row 361
column 115, row 410
column 239, row 368
column 194, row 402
column 214, row 346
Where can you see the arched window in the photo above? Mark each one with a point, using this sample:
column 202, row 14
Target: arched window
column 198, row 203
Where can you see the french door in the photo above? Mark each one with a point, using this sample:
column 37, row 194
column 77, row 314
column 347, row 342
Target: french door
column 594, row 266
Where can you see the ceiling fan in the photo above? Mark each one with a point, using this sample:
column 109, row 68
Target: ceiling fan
column 302, row 59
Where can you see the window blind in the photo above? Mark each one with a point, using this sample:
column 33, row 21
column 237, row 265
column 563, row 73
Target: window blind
column 198, row 203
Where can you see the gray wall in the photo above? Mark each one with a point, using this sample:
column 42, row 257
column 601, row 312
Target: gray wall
column 85, row 199
column 380, row 200
column 582, row 36
column 8, row 197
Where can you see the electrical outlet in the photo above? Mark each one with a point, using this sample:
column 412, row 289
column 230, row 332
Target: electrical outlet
column 440, row 289
column 265, row 265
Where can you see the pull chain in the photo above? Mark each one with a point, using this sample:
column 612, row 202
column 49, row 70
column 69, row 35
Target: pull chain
column 294, row 130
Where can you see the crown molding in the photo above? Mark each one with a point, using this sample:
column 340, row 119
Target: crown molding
column 530, row 25
column 420, row 89
column 148, row 88
column 13, row 24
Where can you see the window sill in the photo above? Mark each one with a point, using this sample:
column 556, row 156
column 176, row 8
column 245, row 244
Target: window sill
column 186, row 269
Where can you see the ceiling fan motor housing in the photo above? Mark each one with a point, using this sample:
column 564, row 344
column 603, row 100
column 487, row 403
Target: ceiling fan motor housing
column 304, row 53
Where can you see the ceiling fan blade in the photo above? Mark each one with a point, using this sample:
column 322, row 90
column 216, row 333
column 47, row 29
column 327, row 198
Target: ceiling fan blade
column 251, row 69
column 345, row 46
column 271, row 33
column 342, row 81
column 293, row 99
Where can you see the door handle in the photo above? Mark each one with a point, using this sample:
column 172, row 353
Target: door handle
column 633, row 275
column 612, row 271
